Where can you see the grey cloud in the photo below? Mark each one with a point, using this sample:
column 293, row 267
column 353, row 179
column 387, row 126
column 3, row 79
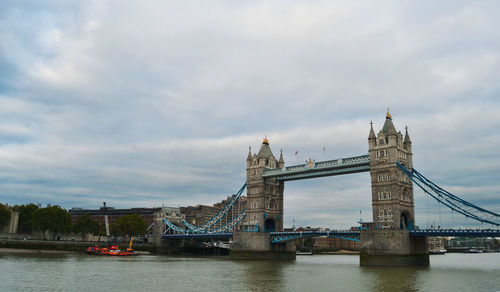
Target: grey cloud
column 158, row 102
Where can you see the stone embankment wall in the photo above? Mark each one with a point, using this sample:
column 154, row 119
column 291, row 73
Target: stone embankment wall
column 73, row 246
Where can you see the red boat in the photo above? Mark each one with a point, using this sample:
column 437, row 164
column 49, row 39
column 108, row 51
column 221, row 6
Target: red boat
column 113, row 250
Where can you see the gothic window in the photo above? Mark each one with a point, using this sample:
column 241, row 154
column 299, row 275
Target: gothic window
column 384, row 177
column 385, row 214
column 384, row 195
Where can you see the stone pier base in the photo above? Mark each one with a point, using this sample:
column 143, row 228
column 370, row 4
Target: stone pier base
column 392, row 247
column 257, row 245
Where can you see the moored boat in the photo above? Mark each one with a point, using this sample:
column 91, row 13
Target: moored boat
column 437, row 251
column 112, row 250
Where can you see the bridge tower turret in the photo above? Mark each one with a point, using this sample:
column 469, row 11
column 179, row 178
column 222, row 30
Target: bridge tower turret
column 264, row 196
column 392, row 191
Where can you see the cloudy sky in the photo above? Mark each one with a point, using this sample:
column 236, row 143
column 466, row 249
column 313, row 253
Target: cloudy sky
column 144, row 103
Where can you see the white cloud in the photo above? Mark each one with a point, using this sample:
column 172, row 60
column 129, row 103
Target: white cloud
column 158, row 102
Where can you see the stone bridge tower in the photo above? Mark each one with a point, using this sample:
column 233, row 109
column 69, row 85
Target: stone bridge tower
column 265, row 196
column 387, row 241
column 264, row 210
column 392, row 190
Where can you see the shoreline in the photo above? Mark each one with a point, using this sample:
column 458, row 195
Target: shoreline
column 33, row 251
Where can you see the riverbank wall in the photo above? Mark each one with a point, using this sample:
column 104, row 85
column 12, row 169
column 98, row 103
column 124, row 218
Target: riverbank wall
column 72, row 246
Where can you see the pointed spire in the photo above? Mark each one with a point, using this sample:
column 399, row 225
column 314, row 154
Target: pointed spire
column 407, row 137
column 281, row 157
column 265, row 149
column 372, row 133
column 249, row 157
column 388, row 128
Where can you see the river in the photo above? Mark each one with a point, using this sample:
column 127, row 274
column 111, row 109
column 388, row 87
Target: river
column 79, row 272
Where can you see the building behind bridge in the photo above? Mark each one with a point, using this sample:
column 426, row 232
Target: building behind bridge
column 461, row 244
column 199, row 214
column 325, row 244
column 148, row 214
column 335, row 244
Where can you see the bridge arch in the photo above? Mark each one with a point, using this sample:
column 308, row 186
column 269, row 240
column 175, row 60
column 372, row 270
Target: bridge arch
column 405, row 221
column 269, row 225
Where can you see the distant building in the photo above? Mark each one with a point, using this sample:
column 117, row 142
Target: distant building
column 172, row 214
column 333, row 243
column 199, row 214
column 436, row 244
column 148, row 214
column 465, row 243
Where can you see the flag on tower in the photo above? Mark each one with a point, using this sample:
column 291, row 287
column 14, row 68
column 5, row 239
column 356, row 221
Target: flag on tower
column 297, row 152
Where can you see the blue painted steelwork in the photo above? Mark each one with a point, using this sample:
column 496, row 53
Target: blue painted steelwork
column 291, row 235
column 228, row 225
column 233, row 222
column 246, row 228
column 214, row 220
column 345, row 234
column 456, row 232
column 449, row 200
column 174, row 227
column 204, row 229
column 320, row 169
column 199, row 235
column 150, row 226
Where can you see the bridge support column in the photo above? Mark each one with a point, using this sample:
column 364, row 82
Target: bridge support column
column 257, row 245
column 392, row 247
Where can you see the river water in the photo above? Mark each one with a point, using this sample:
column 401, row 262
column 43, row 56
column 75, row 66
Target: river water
column 79, row 272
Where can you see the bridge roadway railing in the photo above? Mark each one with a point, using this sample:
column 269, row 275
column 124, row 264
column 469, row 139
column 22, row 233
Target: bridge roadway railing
column 323, row 168
column 345, row 234
column 222, row 235
column 290, row 235
column 456, row 232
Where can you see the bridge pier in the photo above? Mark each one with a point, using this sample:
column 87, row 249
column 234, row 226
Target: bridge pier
column 257, row 245
column 392, row 247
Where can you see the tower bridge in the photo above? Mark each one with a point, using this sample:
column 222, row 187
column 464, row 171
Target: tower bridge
column 391, row 239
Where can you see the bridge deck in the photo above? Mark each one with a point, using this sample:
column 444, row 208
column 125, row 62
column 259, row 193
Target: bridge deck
column 457, row 232
column 348, row 234
column 221, row 235
column 319, row 169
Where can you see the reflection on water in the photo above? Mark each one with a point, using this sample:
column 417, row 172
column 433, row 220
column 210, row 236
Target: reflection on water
column 392, row 278
column 264, row 275
column 79, row 272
